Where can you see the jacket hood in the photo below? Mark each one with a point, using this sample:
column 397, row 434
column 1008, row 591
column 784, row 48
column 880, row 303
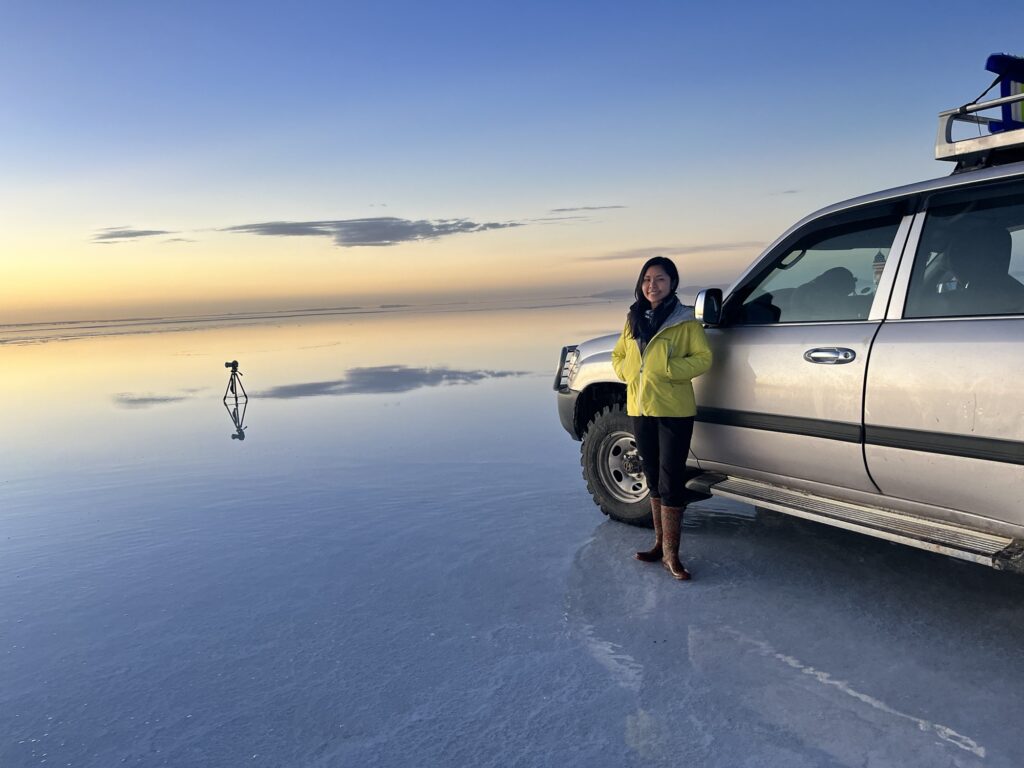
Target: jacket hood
column 680, row 314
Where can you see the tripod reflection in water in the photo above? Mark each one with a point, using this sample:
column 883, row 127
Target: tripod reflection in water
column 236, row 400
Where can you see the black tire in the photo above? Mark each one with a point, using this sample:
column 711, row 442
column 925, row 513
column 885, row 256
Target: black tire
column 620, row 493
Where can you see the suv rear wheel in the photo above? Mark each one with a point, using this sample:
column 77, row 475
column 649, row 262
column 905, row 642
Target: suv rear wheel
column 611, row 467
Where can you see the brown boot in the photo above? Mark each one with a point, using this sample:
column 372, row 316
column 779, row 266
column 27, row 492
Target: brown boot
column 654, row 554
column 671, row 521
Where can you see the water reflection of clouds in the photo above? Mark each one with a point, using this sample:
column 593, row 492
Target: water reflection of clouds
column 384, row 379
column 152, row 374
column 381, row 379
column 148, row 399
column 128, row 400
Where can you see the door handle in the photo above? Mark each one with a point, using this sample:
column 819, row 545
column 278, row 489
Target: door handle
column 830, row 355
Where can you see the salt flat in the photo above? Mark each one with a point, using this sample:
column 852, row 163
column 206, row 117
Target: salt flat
column 400, row 564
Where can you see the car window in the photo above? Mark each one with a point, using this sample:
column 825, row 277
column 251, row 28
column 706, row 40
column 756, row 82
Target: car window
column 829, row 274
column 1017, row 255
column 970, row 259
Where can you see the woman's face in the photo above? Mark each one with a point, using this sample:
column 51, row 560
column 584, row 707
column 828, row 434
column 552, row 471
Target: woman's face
column 656, row 285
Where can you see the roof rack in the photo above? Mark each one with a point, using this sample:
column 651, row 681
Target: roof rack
column 1000, row 139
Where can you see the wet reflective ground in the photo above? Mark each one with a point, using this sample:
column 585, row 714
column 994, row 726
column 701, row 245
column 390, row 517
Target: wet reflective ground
column 400, row 564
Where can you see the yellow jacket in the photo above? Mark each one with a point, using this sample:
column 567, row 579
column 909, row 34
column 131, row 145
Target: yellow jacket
column 658, row 383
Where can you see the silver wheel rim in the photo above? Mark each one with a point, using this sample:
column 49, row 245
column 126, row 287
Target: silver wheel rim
column 621, row 484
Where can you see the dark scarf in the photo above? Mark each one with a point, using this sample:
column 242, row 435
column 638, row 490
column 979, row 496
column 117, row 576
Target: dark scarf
column 645, row 322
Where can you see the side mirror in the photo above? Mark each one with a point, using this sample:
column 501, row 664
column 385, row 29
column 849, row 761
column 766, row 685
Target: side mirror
column 708, row 306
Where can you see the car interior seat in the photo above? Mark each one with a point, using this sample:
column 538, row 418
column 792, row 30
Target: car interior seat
column 979, row 257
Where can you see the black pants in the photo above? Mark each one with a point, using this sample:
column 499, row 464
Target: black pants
column 663, row 443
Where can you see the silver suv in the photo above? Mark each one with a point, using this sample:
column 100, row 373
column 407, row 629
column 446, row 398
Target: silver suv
column 868, row 367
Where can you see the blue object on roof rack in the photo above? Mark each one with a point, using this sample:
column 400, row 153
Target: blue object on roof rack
column 1010, row 70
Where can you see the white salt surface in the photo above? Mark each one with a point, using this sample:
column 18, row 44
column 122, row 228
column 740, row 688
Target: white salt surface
column 419, row 578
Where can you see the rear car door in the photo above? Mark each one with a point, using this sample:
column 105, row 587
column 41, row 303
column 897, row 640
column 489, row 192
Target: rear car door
column 783, row 401
column 944, row 421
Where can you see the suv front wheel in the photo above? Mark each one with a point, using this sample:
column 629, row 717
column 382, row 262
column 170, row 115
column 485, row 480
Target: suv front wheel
column 611, row 467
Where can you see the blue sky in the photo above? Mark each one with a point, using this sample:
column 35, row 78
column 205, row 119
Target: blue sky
column 711, row 125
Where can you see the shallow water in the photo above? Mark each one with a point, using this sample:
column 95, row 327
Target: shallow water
column 400, row 563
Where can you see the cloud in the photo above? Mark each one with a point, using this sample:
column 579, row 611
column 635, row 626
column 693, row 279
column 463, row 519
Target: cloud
column 640, row 254
column 122, row 234
column 346, row 233
column 378, row 231
column 127, row 400
column 786, row 192
column 385, row 379
column 586, row 208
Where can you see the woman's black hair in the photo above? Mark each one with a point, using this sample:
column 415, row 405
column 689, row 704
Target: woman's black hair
column 641, row 305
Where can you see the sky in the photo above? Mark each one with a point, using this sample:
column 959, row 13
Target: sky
column 194, row 157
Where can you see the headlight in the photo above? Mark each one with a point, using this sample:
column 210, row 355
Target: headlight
column 568, row 363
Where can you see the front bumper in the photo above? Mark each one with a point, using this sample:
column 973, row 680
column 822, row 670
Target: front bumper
column 567, row 410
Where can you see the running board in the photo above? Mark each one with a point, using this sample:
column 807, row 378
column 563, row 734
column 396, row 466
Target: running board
column 988, row 549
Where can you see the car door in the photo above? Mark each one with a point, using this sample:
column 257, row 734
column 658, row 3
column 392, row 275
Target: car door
column 944, row 422
column 783, row 401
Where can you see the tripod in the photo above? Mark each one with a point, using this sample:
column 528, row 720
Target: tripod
column 232, row 391
column 234, row 383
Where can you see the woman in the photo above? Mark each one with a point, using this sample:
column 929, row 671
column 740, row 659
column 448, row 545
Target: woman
column 660, row 350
